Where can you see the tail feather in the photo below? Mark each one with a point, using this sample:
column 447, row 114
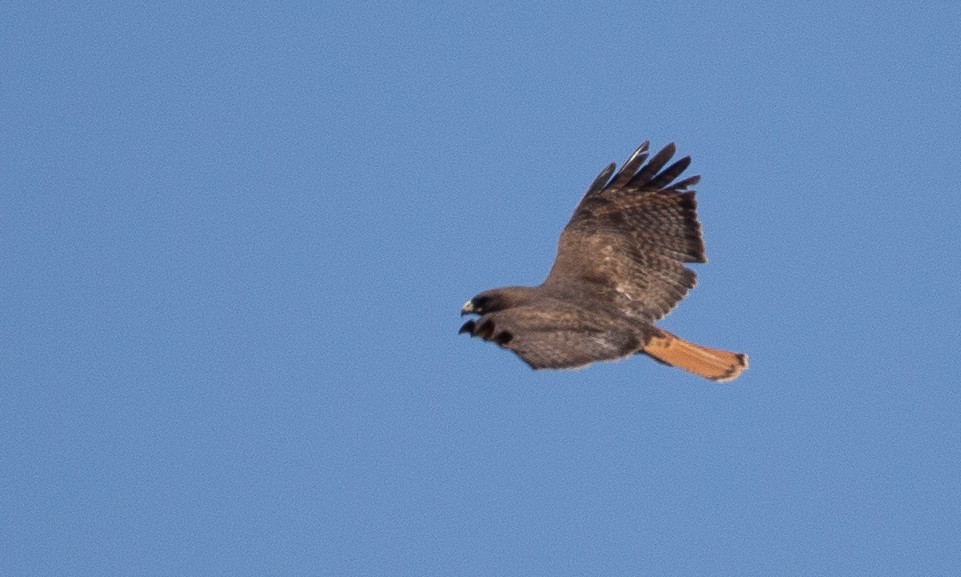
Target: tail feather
column 713, row 364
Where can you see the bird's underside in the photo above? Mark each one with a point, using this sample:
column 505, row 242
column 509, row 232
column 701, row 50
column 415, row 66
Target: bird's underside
column 619, row 268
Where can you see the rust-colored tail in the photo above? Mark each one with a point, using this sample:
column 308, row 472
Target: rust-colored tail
column 706, row 362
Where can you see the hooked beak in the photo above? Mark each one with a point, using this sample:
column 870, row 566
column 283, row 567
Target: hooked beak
column 468, row 308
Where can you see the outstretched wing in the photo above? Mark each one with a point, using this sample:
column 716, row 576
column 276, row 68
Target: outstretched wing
column 630, row 236
column 556, row 335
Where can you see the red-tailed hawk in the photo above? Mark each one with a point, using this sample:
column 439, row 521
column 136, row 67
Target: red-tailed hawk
column 619, row 268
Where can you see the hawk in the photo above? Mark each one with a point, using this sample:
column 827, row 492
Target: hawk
column 619, row 268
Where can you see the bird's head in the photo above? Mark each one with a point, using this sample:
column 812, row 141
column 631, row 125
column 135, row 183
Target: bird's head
column 491, row 301
column 479, row 305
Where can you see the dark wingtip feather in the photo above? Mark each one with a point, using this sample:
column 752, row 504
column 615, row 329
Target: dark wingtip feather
column 633, row 162
column 634, row 174
column 657, row 162
column 644, row 147
column 689, row 181
column 668, row 175
column 503, row 337
column 485, row 329
column 602, row 179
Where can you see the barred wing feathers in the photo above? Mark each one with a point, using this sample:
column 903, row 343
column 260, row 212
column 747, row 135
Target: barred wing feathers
column 630, row 236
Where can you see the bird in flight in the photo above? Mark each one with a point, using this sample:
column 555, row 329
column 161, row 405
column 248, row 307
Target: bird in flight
column 619, row 268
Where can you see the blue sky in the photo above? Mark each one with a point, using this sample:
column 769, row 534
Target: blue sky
column 235, row 239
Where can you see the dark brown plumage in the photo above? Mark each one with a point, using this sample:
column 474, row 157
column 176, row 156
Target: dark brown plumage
column 619, row 268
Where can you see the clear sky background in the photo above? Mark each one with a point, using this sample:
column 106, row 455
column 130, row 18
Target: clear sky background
column 234, row 240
